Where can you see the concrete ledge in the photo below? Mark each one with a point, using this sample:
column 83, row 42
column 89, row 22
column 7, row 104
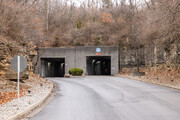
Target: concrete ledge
column 83, row 75
column 31, row 107
column 77, row 76
column 71, row 76
column 138, row 73
column 67, row 75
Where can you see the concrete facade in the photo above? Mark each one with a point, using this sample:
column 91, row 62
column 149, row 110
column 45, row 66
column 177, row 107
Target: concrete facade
column 77, row 57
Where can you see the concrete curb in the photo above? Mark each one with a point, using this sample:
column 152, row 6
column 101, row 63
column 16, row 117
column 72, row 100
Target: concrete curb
column 31, row 107
column 176, row 88
column 71, row 76
column 77, row 76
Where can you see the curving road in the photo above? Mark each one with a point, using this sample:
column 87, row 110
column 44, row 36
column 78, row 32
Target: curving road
column 110, row 98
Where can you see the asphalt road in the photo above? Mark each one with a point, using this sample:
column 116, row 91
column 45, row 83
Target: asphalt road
column 110, row 98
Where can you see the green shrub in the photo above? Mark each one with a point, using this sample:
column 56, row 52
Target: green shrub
column 76, row 71
column 79, row 25
column 78, row 43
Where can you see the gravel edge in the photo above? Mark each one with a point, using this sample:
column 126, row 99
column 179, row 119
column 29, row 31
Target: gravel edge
column 32, row 107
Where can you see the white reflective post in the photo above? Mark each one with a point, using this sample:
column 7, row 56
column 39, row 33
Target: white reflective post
column 18, row 60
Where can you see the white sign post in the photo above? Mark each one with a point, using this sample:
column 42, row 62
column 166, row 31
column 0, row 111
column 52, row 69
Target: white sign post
column 18, row 64
column 18, row 69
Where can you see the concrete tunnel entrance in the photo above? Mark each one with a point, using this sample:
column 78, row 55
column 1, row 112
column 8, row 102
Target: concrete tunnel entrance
column 52, row 67
column 98, row 65
column 94, row 60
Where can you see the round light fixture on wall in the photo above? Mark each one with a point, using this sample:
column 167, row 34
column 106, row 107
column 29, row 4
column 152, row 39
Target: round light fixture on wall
column 98, row 50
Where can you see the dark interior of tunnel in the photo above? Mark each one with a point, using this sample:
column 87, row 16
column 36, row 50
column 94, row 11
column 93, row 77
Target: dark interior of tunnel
column 98, row 65
column 52, row 67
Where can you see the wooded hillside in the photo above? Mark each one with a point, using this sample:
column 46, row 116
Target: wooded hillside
column 95, row 22
column 148, row 26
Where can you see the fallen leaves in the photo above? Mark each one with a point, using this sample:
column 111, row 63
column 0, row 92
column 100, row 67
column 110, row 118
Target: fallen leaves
column 159, row 75
column 9, row 96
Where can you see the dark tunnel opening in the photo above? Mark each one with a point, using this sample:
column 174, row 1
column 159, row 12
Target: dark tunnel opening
column 98, row 65
column 52, row 67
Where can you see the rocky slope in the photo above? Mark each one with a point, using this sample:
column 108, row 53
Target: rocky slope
column 8, row 78
column 9, row 48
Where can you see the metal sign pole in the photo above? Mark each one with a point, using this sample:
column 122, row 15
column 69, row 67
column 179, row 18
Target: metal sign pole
column 18, row 64
column 18, row 77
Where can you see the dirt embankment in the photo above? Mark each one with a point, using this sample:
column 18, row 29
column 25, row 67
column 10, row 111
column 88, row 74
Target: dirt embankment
column 8, row 78
column 8, row 90
column 32, row 93
column 167, row 75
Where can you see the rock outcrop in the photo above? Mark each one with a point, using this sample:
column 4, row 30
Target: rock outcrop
column 10, row 48
column 151, row 55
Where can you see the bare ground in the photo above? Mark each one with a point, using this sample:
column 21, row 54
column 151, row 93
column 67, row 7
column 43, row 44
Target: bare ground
column 166, row 76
